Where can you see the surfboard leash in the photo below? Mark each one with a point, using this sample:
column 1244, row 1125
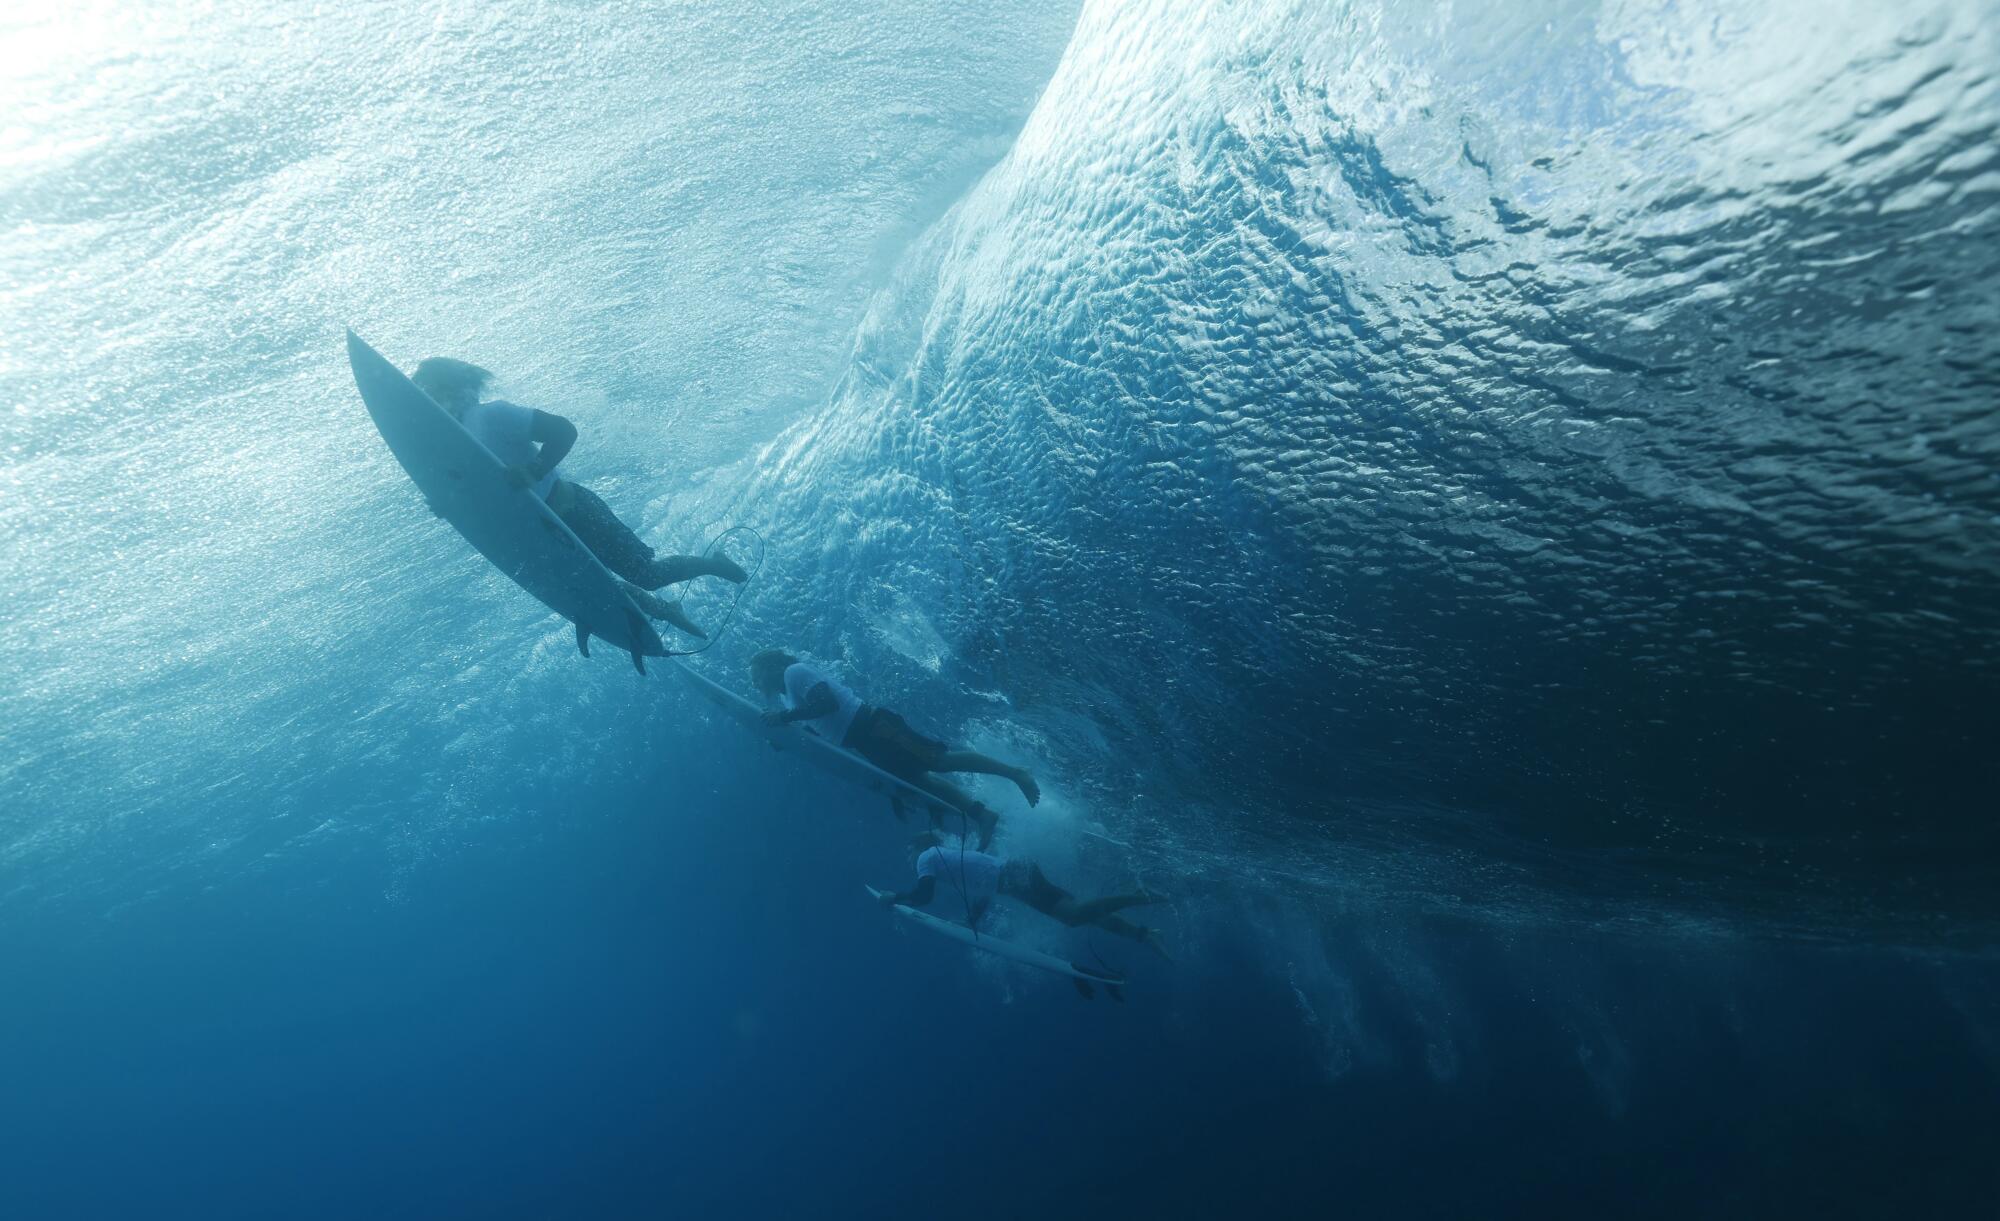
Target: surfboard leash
column 965, row 890
column 729, row 617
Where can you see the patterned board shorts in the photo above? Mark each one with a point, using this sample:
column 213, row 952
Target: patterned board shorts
column 599, row 529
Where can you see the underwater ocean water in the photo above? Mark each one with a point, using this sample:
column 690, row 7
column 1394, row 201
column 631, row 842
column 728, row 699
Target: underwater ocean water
column 1492, row 510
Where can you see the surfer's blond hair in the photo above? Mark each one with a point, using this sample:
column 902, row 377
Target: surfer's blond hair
column 445, row 379
column 772, row 663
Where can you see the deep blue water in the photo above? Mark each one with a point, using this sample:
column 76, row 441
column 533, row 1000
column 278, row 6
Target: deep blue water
column 680, row 1009
column 1493, row 509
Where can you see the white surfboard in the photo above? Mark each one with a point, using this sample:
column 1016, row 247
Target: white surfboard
column 467, row 486
column 842, row 764
column 1012, row 952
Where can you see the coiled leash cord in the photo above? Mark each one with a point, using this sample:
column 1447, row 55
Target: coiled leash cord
column 737, row 600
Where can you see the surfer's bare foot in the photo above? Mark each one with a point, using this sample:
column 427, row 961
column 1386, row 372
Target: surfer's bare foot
column 672, row 613
column 661, row 609
column 720, row 565
column 1026, row 783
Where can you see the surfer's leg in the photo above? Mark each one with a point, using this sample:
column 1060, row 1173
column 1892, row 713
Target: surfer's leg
column 1024, row 880
column 1122, row 927
column 670, row 569
column 662, row 608
column 1098, row 911
column 977, row 814
column 899, row 748
column 987, row 765
column 609, row 539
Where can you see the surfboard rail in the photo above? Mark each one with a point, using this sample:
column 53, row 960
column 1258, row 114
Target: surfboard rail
column 851, row 768
column 1027, row 956
column 816, row 751
column 469, row 488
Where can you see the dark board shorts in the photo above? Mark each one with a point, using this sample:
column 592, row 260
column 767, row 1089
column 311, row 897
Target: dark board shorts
column 885, row 739
column 1024, row 880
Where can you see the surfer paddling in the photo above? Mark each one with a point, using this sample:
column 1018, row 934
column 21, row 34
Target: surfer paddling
column 977, row 877
column 531, row 444
column 807, row 693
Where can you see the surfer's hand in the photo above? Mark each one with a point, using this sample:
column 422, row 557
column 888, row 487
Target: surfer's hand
column 520, row 476
column 887, row 900
column 776, row 716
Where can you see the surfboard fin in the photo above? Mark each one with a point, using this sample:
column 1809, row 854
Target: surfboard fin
column 1083, row 989
column 637, row 623
column 583, row 640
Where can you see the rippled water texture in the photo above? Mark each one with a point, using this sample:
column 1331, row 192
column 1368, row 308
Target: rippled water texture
column 1373, row 437
column 1537, row 459
column 1488, row 510
column 232, row 640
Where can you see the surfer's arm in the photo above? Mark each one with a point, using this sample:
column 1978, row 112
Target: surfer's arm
column 919, row 895
column 556, row 436
column 819, row 702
